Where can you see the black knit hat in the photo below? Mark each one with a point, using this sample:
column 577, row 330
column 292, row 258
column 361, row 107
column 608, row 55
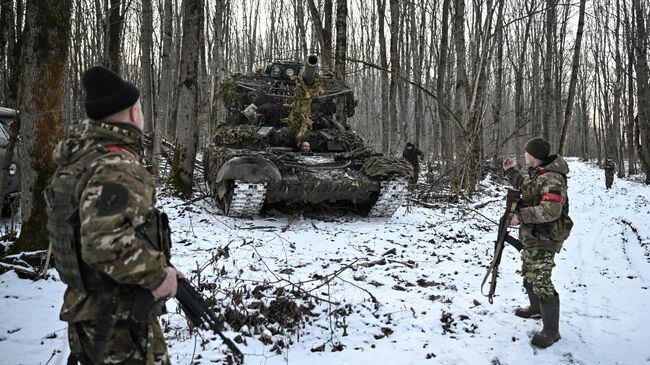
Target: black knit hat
column 107, row 93
column 539, row 148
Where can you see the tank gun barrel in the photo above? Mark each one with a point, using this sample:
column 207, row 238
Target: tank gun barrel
column 309, row 72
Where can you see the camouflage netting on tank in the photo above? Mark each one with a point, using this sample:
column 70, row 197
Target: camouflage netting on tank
column 215, row 156
column 244, row 135
column 300, row 107
column 350, row 140
column 383, row 165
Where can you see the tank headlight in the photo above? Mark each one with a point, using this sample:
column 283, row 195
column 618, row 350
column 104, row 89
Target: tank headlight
column 13, row 169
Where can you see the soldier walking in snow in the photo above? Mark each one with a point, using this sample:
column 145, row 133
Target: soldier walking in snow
column 412, row 154
column 543, row 217
column 609, row 168
column 103, row 226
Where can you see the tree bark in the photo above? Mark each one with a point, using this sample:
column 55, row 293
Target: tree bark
column 113, row 38
column 188, row 108
column 147, row 90
column 44, row 63
column 341, row 38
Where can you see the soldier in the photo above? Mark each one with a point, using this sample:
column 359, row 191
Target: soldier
column 543, row 217
column 412, row 154
column 104, row 228
column 609, row 168
column 305, row 147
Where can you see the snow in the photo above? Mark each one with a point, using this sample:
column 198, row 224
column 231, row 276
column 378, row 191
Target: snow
column 435, row 272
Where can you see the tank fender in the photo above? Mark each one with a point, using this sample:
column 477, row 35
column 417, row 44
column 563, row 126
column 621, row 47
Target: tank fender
column 249, row 169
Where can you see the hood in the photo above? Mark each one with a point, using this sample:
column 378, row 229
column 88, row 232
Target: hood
column 554, row 163
column 84, row 136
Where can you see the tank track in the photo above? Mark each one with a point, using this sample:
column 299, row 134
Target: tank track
column 247, row 199
column 391, row 197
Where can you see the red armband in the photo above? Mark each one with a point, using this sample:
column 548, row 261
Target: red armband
column 553, row 197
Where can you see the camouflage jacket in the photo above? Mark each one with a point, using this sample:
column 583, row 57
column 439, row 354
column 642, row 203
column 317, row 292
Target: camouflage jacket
column 544, row 206
column 609, row 166
column 116, row 195
column 413, row 156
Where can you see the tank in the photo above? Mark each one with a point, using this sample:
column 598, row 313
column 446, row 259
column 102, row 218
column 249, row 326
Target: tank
column 259, row 156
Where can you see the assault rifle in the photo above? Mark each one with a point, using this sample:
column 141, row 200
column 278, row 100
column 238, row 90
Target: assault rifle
column 502, row 238
column 192, row 304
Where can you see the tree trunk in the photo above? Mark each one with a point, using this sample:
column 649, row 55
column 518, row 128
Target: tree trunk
column 575, row 65
column 548, row 63
column 385, row 118
column 113, row 38
column 395, row 70
column 443, row 107
column 164, row 99
column 188, row 108
column 496, row 108
column 520, row 120
column 44, row 63
column 631, row 145
column 147, row 91
column 643, row 98
column 341, row 38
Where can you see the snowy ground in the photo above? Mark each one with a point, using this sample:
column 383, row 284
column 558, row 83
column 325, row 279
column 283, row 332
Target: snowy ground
column 420, row 305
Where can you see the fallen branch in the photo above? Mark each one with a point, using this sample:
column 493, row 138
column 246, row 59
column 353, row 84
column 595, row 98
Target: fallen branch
column 29, row 272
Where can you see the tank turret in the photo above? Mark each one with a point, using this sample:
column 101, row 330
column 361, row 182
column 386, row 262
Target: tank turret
column 254, row 161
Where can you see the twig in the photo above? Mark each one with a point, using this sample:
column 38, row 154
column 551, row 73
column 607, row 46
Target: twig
column 374, row 299
column 289, row 223
column 43, row 274
column 483, row 205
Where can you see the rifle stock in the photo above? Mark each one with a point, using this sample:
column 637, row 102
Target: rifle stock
column 502, row 238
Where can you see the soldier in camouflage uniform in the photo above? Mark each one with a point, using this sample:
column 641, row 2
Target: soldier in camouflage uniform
column 609, row 168
column 543, row 216
column 108, row 239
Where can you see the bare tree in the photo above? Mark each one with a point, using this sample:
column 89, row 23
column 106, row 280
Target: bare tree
column 45, row 58
column 188, row 109
column 643, row 99
column 575, row 65
column 147, row 94
column 113, row 39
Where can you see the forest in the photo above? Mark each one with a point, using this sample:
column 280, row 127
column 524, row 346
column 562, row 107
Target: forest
column 468, row 82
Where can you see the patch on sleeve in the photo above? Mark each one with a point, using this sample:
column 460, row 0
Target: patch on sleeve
column 114, row 199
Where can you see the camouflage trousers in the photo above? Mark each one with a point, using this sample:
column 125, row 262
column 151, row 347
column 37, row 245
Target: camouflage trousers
column 128, row 344
column 609, row 179
column 536, row 269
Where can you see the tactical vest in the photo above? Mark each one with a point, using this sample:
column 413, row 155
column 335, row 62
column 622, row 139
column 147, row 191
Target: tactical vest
column 558, row 230
column 64, row 225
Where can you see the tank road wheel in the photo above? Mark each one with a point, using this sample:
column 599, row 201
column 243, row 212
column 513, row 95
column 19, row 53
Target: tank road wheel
column 391, row 196
column 242, row 199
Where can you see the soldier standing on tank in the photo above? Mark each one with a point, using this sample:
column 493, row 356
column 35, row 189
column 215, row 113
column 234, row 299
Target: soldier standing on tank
column 609, row 166
column 412, row 154
column 543, row 217
column 109, row 241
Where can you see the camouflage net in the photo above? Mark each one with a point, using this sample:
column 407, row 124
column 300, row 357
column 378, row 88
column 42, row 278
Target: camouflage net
column 299, row 118
column 350, row 140
column 382, row 166
column 236, row 135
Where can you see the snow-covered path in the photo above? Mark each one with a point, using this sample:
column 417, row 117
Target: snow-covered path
column 421, row 304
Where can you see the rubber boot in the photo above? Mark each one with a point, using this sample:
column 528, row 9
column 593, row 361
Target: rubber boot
column 533, row 310
column 551, row 317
